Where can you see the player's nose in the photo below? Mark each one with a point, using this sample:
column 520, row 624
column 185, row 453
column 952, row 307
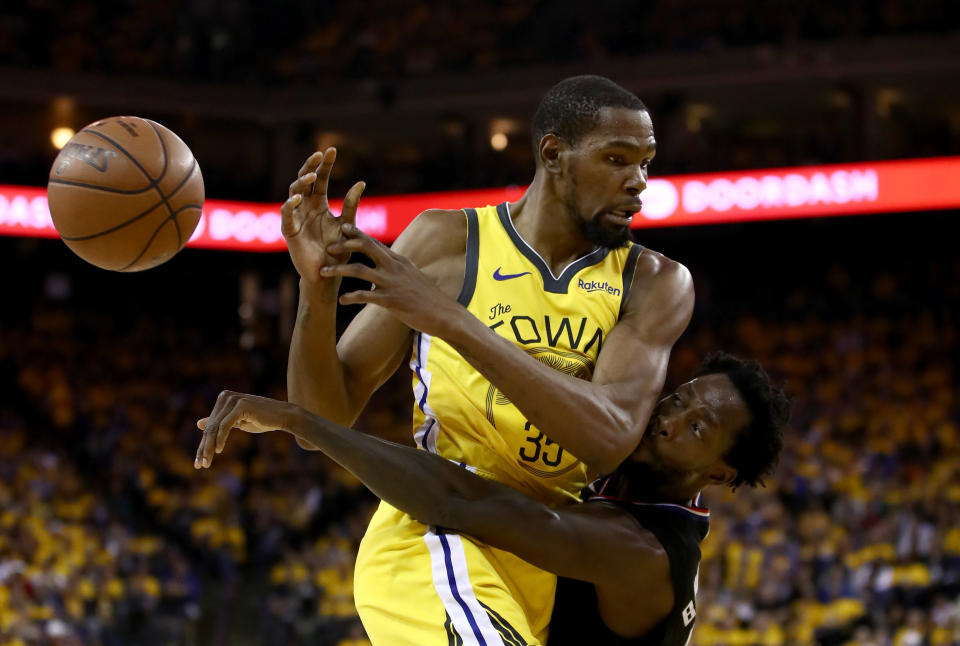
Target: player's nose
column 636, row 183
column 665, row 427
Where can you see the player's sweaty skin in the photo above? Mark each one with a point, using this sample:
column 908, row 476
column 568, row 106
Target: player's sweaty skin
column 595, row 542
column 598, row 420
column 630, row 370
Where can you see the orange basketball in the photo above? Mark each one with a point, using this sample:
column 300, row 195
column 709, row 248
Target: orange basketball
column 125, row 193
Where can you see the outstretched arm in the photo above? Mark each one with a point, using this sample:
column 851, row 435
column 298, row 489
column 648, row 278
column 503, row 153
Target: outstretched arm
column 586, row 542
column 308, row 225
column 600, row 421
column 593, row 542
column 331, row 378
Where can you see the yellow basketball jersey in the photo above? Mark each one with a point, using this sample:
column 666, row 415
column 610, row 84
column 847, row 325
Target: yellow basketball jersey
column 561, row 321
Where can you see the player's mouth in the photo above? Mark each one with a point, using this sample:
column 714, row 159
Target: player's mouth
column 622, row 217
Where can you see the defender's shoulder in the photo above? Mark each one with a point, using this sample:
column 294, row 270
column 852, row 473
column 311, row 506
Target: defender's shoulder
column 642, row 557
column 625, row 529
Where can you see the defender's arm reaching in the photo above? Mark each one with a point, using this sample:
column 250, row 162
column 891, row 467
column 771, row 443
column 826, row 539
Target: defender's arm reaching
column 596, row 542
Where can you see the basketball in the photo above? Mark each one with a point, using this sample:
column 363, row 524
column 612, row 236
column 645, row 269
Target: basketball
column 125, row 193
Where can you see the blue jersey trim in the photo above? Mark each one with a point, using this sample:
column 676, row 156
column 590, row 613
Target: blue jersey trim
column 551, row 283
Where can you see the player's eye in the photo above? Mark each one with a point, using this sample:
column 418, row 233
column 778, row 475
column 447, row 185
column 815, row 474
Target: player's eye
column 696, row 429
column 616, row 159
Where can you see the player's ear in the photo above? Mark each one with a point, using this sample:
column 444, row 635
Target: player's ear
column 722, row 474
column 550, row 148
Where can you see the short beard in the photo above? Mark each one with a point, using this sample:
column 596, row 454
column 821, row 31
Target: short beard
column 603, row 236
column 593, row 230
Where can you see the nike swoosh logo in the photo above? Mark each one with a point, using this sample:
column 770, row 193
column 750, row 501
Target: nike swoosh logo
column 498, row 276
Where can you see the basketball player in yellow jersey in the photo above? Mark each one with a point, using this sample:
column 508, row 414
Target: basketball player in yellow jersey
column 540, row 337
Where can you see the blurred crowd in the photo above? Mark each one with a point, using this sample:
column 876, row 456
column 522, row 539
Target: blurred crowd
column 113, row 536
column 327, row 42
column 110, row 537
column 855, row 540
column 369, row 51
column 72, row 571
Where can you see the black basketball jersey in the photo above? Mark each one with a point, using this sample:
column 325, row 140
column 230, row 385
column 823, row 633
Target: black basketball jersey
column 680, row 529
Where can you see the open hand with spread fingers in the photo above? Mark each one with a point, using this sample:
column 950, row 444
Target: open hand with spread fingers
column 307, row 223
column 248, row 413
column 398, row 284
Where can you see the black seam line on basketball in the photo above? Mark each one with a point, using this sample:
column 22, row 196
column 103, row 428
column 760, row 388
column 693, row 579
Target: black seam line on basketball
column 176, row 223
column 110, row 140
column 173, row 217
column 106, row 189
column 139, row 215
column 166, row 163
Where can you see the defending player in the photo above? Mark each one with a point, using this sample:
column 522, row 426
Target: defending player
column 540, row 340
column 636, row 541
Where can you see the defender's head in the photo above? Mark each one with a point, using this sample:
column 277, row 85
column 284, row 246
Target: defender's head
column 725, row 427
column 594, row 141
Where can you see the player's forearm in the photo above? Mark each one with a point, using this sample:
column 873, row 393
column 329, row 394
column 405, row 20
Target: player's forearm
column 576, row 414
column 438, row 492
column 316, row 379
column 426, row 486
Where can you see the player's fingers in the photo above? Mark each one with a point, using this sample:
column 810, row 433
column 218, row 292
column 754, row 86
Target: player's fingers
column 291, row 222
column 202, row 449
column 230, row 420
column 224, row 403
column 358, row 245
column 366, row 244
column 202, row 424
column 310, row 164
column 349, row 213
column 323, row 172
column 352, row 270
column 221, row 440
column 362, row 297
column 302, row 184
column 211, row 440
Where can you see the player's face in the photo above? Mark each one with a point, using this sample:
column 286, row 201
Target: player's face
column 692, row 429
column 605, row 173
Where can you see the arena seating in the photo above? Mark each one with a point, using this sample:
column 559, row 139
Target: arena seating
column 111, row 535
column 336, row 41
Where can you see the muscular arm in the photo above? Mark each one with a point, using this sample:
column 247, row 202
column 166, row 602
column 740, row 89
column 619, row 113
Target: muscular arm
column 336, row 379
column 600, row 421
column 594, row 542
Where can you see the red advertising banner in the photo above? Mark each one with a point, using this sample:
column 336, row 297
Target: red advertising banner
column 679, row 200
